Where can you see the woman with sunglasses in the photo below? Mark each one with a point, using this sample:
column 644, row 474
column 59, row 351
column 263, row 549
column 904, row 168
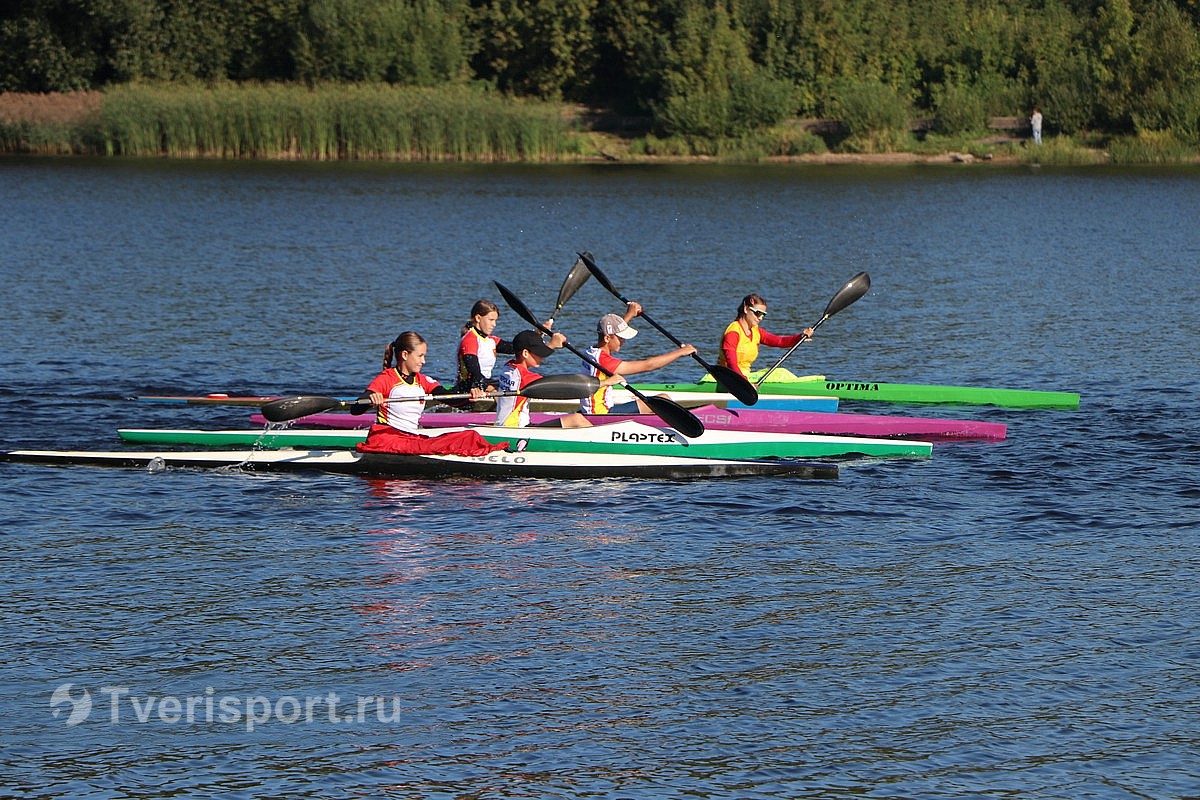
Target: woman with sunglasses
column 739, row 345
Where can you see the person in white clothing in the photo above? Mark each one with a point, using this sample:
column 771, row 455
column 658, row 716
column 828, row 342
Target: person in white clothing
column 513, row 411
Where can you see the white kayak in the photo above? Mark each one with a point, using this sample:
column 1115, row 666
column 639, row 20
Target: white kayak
column 500, row 465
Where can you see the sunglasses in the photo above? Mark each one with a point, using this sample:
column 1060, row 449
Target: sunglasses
column 757, row 312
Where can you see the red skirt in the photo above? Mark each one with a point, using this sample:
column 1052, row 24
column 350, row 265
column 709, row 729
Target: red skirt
column 386, row 439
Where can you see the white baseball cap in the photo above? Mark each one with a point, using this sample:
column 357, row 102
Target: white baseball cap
column 612, row 325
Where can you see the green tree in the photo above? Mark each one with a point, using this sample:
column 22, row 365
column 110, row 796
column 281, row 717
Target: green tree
column 535, row 47
column 1166, row 76
column 711, row 87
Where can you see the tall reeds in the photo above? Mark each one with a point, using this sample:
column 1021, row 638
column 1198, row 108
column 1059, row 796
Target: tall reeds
column 62, row 124
column 327, row 122
column 331, row 122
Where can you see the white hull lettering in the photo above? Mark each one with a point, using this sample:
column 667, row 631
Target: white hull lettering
column 500, row 458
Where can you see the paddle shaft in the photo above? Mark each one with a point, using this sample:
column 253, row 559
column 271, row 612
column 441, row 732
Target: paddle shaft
column 681, row 419
column 607, row 284
column 732, row 381
column 804, row 337
column 850, row 292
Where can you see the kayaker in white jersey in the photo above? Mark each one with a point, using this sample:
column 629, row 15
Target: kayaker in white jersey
column 611, row 333
column 513, row 412
column 478, row 348
column 397, row 393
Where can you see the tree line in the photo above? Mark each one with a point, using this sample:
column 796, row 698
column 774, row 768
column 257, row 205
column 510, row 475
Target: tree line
column 704, row 68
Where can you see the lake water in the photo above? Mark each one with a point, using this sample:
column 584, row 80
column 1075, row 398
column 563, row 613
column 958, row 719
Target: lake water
column 1011, row 619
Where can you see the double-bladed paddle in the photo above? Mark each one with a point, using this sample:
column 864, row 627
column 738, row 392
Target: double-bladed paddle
column 550, row 387
column 855, row 288
column 727, row 378
column 575, row 278
column 666, row 409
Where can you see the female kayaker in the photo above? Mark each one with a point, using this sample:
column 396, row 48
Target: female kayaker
column 513, row 412
column 739, row 345
column 395, row 428
column 611, row 332
column 478, row 348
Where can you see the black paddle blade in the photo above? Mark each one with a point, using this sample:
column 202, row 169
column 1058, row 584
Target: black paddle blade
column 735, row 384
column 676, row 416
column 562, row 387
column 590, row 263
column 516, row 305
column 855, row 288
column 575, row 278
column 290, row 408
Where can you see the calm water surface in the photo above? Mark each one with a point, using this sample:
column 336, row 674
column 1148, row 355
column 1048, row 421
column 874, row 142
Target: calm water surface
column 1013, row 619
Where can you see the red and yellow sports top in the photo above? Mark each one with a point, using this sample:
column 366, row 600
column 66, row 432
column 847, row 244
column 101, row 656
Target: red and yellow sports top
column 403, row 415
column 739, row 349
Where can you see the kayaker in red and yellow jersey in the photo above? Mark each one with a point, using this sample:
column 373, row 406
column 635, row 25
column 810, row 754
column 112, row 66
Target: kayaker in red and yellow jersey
column 739, row 345
column 611, row 332
column 398, row 395
column 478, row 348
column 513, row 411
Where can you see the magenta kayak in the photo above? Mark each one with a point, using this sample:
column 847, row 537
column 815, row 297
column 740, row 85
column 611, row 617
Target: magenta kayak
column 744, row 419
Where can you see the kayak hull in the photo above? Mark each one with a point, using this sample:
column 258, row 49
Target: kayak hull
column 714, row 418
column 631, row 438
column 504, row 466
column 700, row 396
column 783, row 383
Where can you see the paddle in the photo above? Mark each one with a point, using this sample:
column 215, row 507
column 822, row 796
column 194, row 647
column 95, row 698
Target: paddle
column 549, row 387
column 575, row 278
column 667, row 410
column 855, row 288
column 727, row 378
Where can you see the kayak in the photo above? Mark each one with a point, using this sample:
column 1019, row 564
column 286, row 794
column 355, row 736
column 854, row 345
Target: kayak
column 721, row 419
column 705, row 396
column 700, row 396
column 496, row 465
column 783, row 384
column 628, row 437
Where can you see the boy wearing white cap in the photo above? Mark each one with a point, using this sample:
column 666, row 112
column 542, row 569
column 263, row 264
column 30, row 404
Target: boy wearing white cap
column 611, row 332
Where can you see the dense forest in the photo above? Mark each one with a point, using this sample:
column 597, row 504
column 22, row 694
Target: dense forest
column 693, row 67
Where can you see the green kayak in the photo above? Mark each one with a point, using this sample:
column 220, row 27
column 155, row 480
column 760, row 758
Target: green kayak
column 633, row 438
column 783, row 382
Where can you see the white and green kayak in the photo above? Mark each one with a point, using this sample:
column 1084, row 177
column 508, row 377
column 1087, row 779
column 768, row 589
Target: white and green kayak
column 497, row 465
column 783, row 384
column 630, row 438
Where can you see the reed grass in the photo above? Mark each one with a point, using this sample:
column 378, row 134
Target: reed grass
column 1151, row 147
column 50, row 124
column 290, row 122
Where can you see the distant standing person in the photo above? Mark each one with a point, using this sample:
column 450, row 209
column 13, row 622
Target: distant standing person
column 1035, row 124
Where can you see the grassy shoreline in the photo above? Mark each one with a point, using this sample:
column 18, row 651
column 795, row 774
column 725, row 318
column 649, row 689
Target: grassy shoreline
column 377, row 122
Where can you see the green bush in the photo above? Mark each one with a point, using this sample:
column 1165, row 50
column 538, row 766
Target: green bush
column 875, row 114
column 960, row 109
